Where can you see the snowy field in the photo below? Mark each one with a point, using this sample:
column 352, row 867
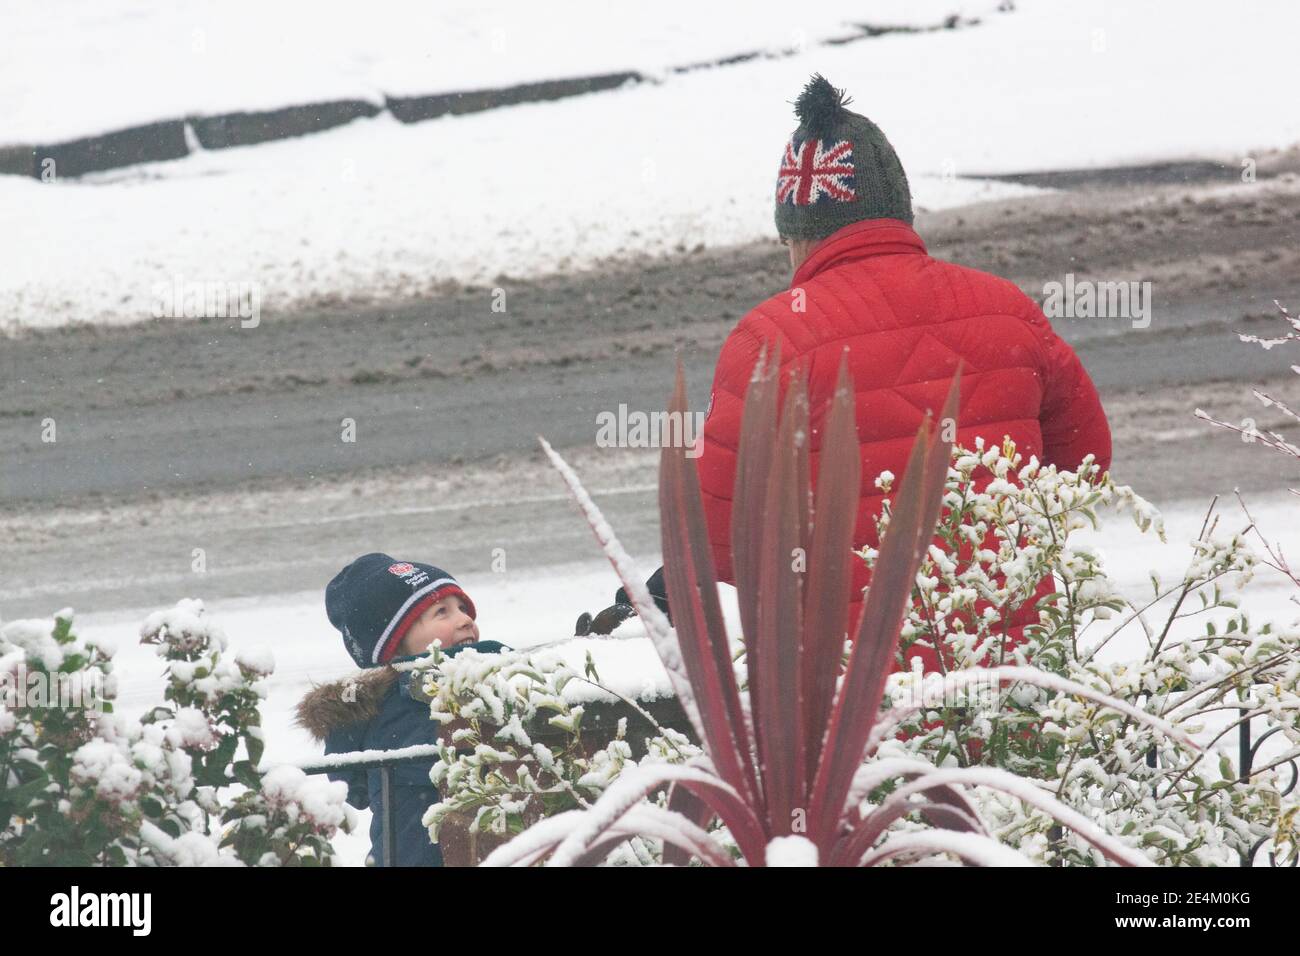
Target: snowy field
column 528, row 609
column 377, row 209
column 297, row 51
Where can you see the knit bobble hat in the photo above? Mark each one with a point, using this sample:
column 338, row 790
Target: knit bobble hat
column 838, row 168
column 375, row 600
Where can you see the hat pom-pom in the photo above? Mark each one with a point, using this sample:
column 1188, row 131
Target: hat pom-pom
column 820, row 106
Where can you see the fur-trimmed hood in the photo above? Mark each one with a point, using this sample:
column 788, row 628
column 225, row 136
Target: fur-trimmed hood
column 343, row 703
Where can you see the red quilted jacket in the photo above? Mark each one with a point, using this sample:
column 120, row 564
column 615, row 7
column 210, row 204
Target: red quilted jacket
column 905, row 320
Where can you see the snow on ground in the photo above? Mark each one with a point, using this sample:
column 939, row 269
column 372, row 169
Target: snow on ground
column 195, row 57
column 523, row 609
column 379, row 209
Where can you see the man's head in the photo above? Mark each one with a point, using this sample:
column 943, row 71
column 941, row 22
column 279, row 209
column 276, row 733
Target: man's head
column 837, row 169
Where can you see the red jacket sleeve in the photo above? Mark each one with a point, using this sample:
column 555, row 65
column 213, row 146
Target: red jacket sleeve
column 1072, row 420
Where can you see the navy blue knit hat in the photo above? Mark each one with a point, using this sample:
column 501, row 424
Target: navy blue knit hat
column 375, row 600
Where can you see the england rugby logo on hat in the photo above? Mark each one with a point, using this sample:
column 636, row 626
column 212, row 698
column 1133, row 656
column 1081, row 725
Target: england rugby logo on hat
column 401, row 568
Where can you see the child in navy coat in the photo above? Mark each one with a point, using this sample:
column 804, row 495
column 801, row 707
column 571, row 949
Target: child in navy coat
column 389, row 611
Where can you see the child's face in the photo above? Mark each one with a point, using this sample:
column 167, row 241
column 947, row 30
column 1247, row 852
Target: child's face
column 446, row 624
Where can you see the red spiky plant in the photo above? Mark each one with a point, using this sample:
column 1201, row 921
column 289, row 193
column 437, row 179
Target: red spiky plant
column 786, row 766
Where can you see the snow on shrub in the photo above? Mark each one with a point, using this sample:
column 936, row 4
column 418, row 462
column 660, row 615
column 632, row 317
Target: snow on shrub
column 984, row 761
column 1176, row 806
column 84, row 786
column 784, row 748
column 491, row 771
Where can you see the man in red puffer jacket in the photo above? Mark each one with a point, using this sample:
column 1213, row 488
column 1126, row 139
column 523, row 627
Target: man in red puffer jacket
column 865, row 286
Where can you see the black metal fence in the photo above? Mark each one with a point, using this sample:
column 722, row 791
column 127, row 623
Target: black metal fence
column 1247, row 751
column 385, row 767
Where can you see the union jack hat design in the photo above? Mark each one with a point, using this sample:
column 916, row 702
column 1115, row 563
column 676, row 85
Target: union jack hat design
column 816, row 168
column 837, row 169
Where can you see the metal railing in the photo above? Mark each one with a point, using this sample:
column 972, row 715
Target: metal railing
column 371, row 760
column 1247, row 751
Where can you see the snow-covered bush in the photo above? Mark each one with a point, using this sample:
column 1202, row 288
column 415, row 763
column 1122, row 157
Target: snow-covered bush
column 1031, row 747
column 81, row 785
column 792, row 763
column 996, row 540
column 494, row 773
column 1135, row 783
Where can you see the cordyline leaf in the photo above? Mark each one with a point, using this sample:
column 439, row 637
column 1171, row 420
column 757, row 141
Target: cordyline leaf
column 690, row 806
column 866, row 832
column 830, row 566
column 535, row 842
column 952, row 800
column 615, row 836
column 776, row 697
column 964, row 816
column 630, row 788
column 749, row 494
column 693, row 596
column 943, row 813
column 547, row 835
column 757, row 438
column 910, row 530
column 971, row 847
column 657, row 627
column 803, row 456
column 803, row 445
column 871, row 775
column 848, row 850
column 677, row 832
